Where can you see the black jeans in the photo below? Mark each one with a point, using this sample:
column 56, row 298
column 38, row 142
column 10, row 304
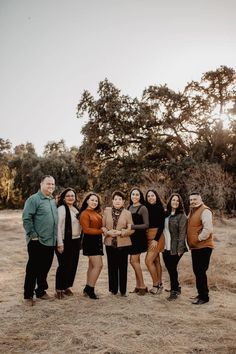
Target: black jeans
column 200, row 261
column 171, row 262
column 117, row 262
column 67, row 264
column 37, row 268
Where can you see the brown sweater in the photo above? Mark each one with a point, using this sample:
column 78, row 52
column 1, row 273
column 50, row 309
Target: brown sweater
column 122, row 225
column 91, row 222
column 195, row 227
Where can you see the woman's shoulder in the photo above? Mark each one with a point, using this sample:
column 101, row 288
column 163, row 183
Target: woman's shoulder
column 61, row 209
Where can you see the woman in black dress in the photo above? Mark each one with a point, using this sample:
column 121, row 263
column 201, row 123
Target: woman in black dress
column 156, row 240
column 139, row 239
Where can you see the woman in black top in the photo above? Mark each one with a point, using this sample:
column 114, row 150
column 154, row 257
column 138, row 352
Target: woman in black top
column 139, row 239
column 155, row 237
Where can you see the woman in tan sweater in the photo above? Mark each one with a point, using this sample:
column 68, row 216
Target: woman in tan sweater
column 117, row 240
column 91, row 223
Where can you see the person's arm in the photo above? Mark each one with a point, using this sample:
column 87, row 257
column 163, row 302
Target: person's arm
column 161, row 225
column 85, row 222
column 127, row 232
column 29, row 212
column 144, row 212
column 61, row 228
column 182, row 233
column 207, row 224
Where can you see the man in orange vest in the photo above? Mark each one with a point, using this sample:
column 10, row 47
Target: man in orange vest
column 200, row 241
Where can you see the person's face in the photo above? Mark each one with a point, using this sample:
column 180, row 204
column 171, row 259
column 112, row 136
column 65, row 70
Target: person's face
column 151, row 197
column 174, row 202
column 47, row 186
column 195, row 200
column 69, row 198
column 135, row 196
column 118, row 202
column 92, row 202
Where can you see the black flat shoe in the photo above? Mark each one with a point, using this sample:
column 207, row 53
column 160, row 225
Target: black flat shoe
column 199, row 301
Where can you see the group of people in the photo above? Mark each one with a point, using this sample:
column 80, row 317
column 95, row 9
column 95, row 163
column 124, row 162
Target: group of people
column 144, row 227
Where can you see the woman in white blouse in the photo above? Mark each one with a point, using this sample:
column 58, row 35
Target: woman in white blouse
column 68, row 242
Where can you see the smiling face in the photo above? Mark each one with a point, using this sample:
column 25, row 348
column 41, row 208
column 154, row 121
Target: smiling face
column 92, row 202
column 174, row 202
column 69, row 198
column 135, row 196
column 118, row 202
column 195, row 200
column 47, row 186
column 151, row 198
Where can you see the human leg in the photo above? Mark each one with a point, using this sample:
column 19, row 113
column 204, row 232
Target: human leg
column 135, row 263
column 200, row 262
column 122, row 269
column 46, row 254
column 112, row 264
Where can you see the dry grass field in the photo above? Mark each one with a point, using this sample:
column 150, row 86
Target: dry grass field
column 114, row 324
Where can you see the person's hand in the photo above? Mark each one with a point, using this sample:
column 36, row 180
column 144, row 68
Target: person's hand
column 153, row 245
column 60, row 248
column 180, row 254
column 129, row 226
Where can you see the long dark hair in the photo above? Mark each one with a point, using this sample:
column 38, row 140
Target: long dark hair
column 61, row 198
column 180, row 208
column 141, row 200
column 158, row 199
column 85, row 205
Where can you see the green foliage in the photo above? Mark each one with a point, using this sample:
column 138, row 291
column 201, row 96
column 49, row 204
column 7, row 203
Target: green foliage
column 173, row 141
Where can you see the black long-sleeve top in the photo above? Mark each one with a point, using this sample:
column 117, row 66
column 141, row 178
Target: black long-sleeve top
column 156, row 218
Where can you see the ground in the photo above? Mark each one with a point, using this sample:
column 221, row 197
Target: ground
column 114, row 324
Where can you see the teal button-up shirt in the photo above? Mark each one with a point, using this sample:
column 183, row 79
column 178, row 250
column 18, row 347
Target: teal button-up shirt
column 40, row 219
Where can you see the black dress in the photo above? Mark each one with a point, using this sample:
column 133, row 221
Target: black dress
column 92, row 245
column 139, row 237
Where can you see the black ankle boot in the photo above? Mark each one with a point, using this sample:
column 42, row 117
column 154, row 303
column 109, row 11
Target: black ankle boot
column 89, row 291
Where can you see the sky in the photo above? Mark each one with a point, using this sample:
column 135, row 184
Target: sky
column 51, row 51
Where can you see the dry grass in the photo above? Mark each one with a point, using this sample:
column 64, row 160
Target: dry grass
column 115, row 325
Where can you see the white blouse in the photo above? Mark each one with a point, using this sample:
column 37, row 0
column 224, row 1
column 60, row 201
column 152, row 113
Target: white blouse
column 76, row 228
column 166, row 233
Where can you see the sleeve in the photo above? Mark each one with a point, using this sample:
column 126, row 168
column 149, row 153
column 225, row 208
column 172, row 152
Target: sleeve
column 161, row 225
column 128, row 232
column 104, row 222
column 182, row 233
column 85, row 222
column 207, row 223
column 29, row 212
column 144, row 212
column 61, row 225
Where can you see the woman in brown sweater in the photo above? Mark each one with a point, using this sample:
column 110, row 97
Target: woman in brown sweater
column 91, row 223
column 117, row 241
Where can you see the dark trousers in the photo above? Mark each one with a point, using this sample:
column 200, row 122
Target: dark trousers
column 171, row 262
column 37, row 268
column 200, row 261
column 117, row 261
column 67, row 264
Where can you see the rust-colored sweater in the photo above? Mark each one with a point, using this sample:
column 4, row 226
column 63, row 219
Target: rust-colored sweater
column 195, row 227
column 91, row 222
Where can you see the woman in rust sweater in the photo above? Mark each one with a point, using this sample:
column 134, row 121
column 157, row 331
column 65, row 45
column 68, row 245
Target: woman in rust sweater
column 91, row 223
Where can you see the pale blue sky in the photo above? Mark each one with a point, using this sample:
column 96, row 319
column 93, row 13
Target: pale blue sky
column 52, row 50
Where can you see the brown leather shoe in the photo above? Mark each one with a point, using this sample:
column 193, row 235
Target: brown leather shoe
column 45, row 297
column 29, row 302
column 68, row 292
column 59, row 294
column 142, row 292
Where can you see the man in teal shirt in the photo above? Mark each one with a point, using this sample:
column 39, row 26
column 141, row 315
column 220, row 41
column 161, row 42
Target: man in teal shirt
column 40, row 224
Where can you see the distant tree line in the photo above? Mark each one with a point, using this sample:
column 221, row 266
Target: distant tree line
column 172, row 141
